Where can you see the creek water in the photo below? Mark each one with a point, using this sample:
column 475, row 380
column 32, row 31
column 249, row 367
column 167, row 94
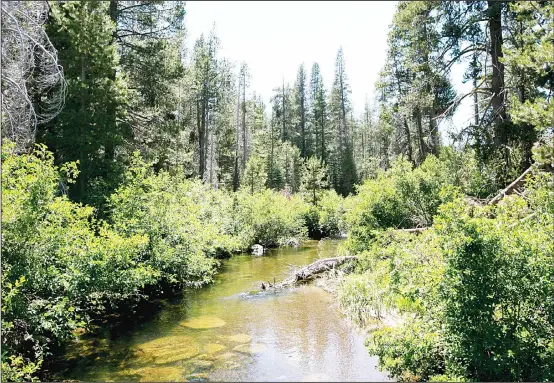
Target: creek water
column 230, row 331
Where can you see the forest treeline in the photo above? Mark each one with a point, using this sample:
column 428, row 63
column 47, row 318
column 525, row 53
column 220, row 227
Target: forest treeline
column 131, row 84
column 153, row 161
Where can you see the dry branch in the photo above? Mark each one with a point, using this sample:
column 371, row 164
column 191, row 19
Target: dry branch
column 511, row 188
column 33, row 86
column 414, row 230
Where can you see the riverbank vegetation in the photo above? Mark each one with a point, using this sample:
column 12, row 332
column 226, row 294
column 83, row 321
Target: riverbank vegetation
column 470, row 295
column 467, row 298
column 142, row 163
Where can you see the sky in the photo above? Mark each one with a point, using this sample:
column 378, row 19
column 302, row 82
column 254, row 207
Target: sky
column 275, row 37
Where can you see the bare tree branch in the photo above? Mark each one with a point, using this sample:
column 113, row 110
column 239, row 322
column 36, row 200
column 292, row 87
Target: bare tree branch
column 33, row 85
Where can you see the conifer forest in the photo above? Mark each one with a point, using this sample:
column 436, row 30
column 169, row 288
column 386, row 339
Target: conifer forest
column 164, row 220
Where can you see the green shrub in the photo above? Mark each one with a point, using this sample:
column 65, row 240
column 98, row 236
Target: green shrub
column 187, row 224
column 412, row 351
column 59, row 265
column 396, row 281
column 463, row 170
column 327, row 219
column 269, row 218
column 400, row 197
column 498, row 286
column 331, row 214
column 473, row 294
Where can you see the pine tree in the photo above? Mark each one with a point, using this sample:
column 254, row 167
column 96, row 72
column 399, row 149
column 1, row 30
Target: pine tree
column 210, row 81
column 85, row 129
column 318, row 114
column 314, row 179
column 300, row 100
column 343, row 168
column 255, row 173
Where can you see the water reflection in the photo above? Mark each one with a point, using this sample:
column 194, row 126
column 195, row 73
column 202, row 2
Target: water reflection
column 220, row 333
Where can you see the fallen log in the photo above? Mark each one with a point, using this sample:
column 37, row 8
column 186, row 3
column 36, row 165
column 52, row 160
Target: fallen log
column 414, row 230
column 310, row 271
column 511, row 188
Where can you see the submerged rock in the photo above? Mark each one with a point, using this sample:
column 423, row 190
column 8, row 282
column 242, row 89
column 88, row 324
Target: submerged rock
column 212, row 348
column 168, row 349
column 198, row 377
column 210, row 357
column 227, row 356
column 250, row 349
column 203, row 322
column 156, row 374
column 240, row 338
column 170, row 356
column 203, row 364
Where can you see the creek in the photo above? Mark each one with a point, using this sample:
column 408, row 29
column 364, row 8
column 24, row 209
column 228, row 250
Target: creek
column 232, row 331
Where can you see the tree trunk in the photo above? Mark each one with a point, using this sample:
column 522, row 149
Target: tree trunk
column 421, row 140
column 323, row 137
column 200, row 128
column 475, row 96
column 284, row 114
column 83, row 174
column 497, row 79
column 310, row 271
column 344, row 136
column 303, row 124
column 434, row 132
column 236, row 170
column 316, row 137
column 244, row 135
column 271, row 174
column 109, row 145
column 408, row 141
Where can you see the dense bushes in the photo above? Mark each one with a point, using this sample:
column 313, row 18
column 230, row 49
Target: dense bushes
column 498, row 286
column 186, row 223
column 468, row 299
column 68, row 264
column 269, row 218
column 327, row 218
column 404, row 197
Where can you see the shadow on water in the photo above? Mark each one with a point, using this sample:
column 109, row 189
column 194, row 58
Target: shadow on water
column 231, row 331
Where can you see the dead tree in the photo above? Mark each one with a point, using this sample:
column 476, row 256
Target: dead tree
column 33, row 85
column 311, row 271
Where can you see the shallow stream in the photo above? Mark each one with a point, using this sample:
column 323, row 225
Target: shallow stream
column 229, row 331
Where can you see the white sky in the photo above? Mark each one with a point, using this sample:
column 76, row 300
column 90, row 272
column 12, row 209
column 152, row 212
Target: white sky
column 274, row 37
